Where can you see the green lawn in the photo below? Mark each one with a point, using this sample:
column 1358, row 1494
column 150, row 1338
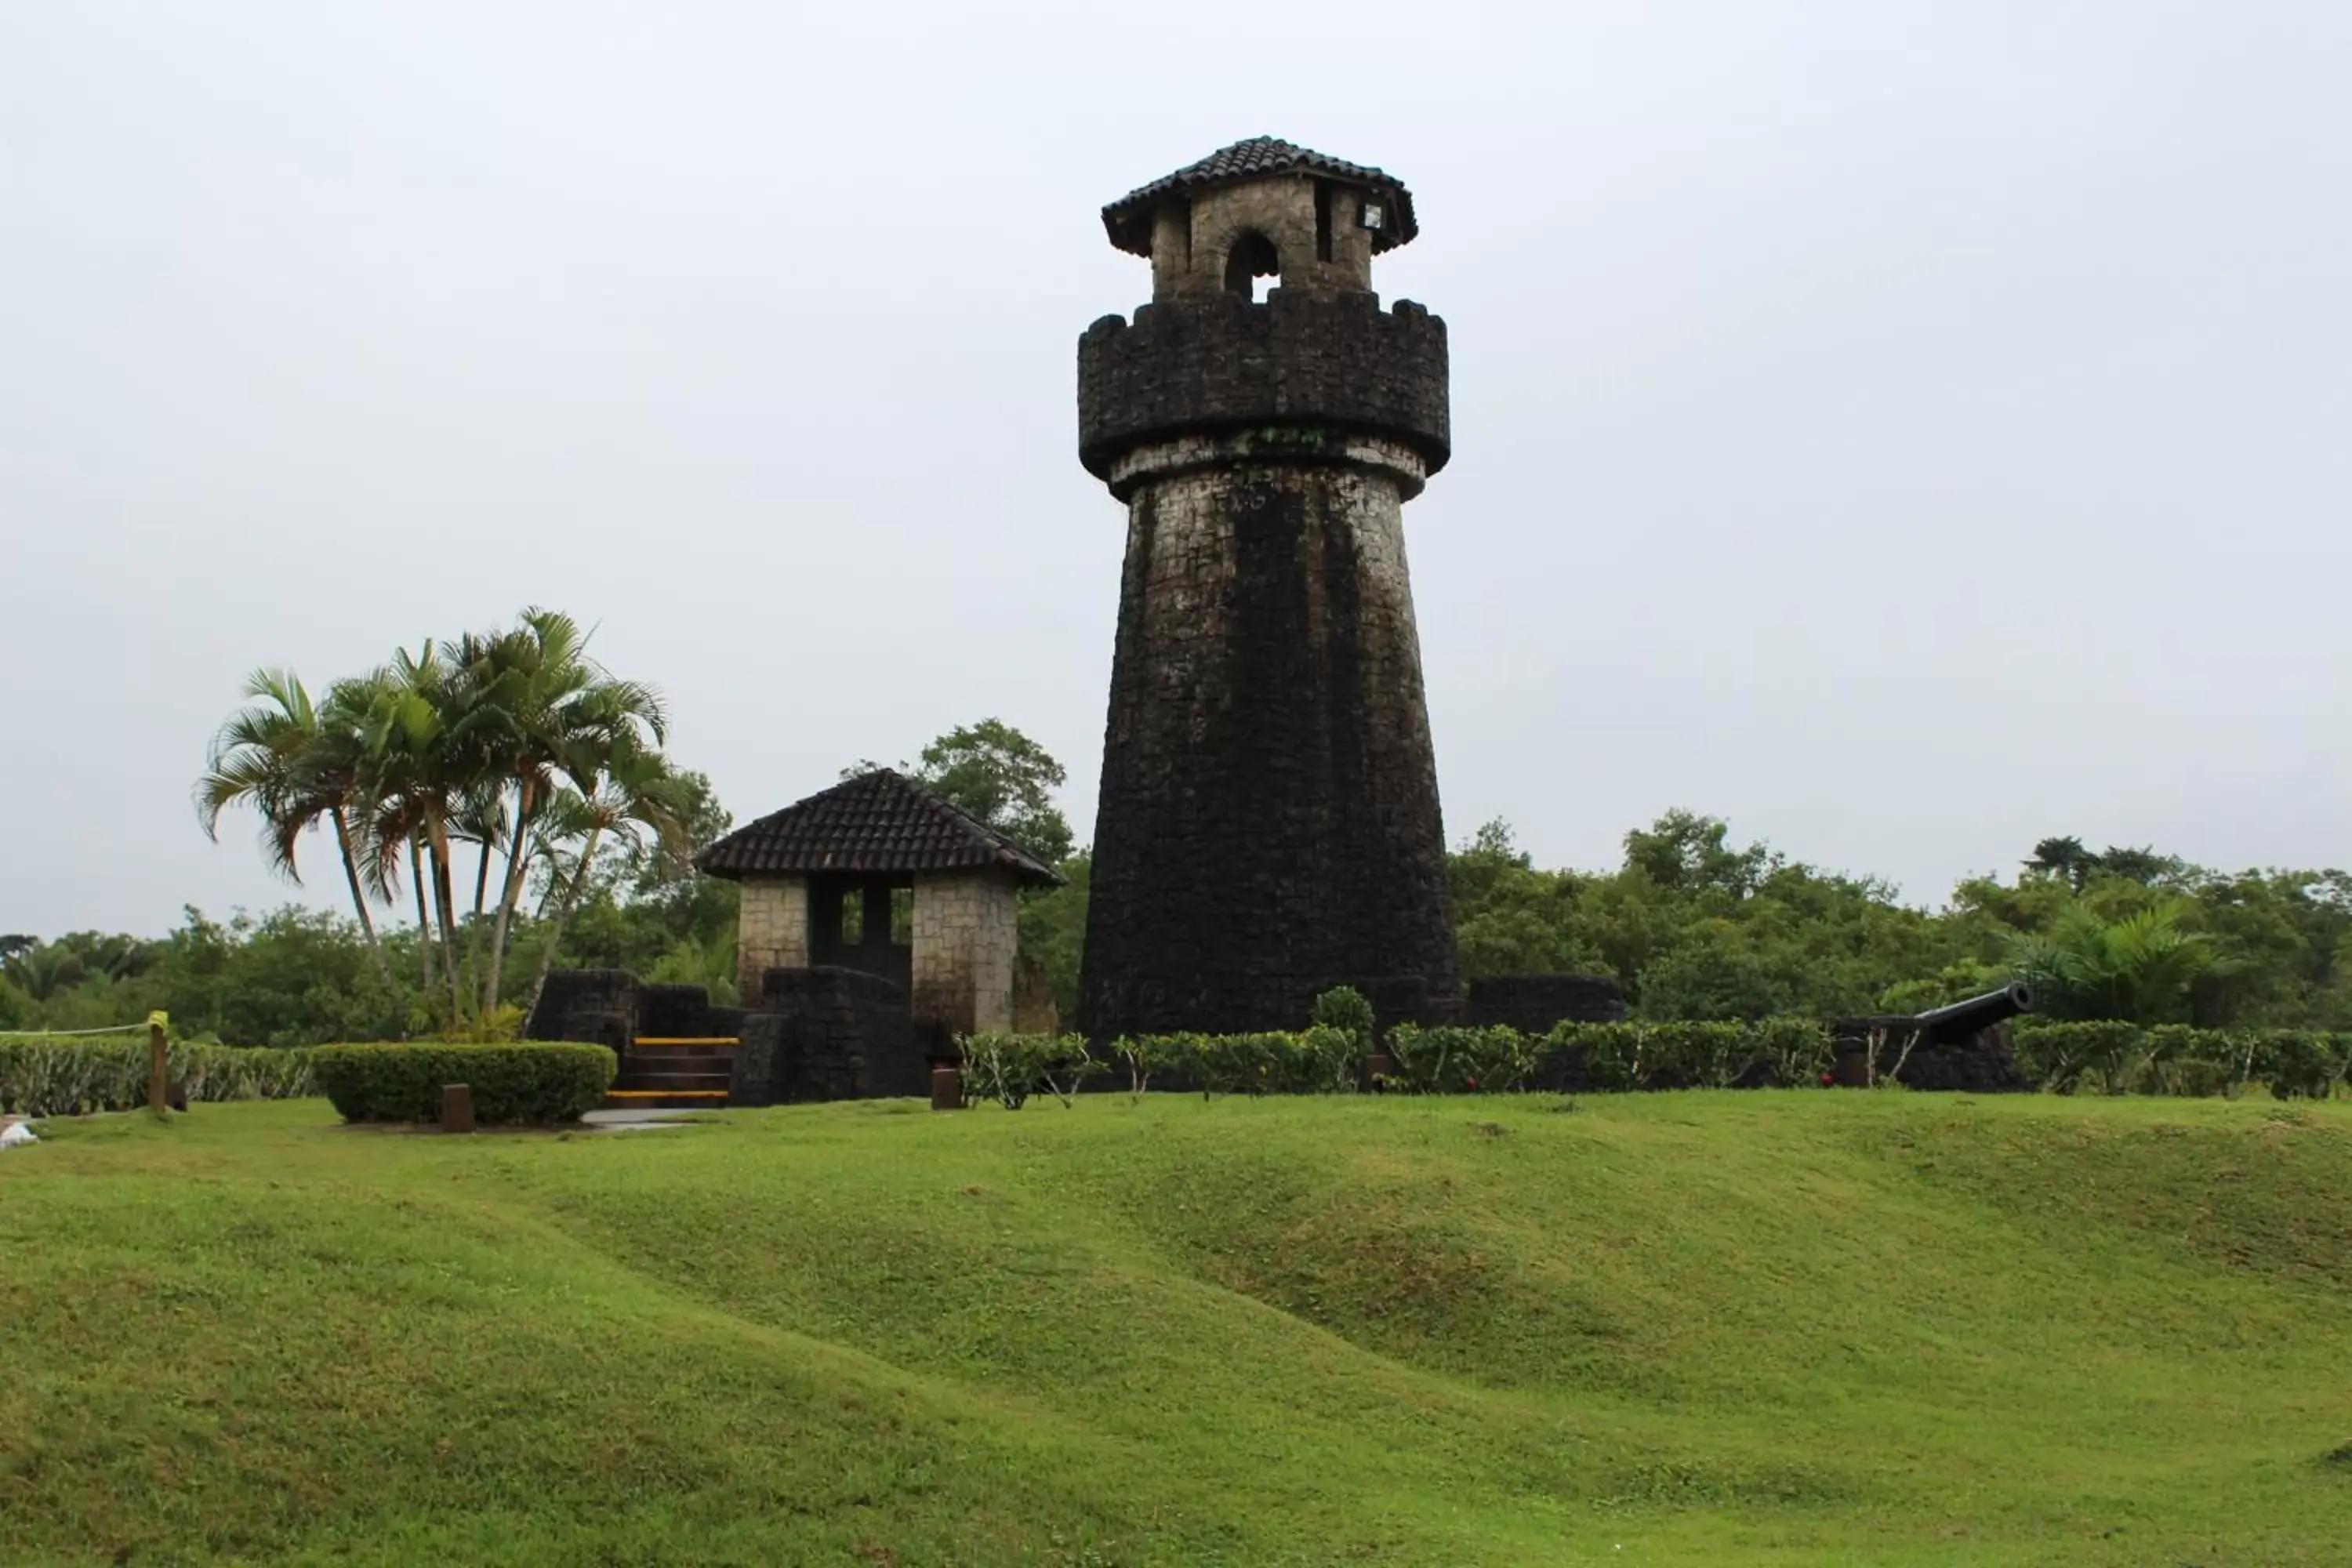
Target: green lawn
column 1764, row 1328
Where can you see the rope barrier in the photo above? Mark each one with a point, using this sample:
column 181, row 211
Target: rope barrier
column 46, row 1034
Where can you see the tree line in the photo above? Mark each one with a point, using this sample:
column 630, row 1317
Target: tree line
column 511, row 758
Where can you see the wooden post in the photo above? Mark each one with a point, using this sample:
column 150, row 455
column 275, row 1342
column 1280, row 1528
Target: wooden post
column 158, row 1069
column 456, row 1108
column 946, row 1087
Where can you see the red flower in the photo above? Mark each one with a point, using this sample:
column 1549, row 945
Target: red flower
column 1828, row 1078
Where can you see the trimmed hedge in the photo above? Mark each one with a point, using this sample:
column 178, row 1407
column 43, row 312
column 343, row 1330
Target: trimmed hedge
column 1787, row 1051
column 526, row 1081
column 1457, row 1060
column 1009, row 1068
column 1449, row 1059
column 60, row 1076
column 2111, row 1058
column 1324, row 1059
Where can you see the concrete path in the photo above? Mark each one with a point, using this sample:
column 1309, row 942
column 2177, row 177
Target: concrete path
column 632, row 1120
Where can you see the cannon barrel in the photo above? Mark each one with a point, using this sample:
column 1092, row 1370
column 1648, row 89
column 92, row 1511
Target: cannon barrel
column 1963, row 1018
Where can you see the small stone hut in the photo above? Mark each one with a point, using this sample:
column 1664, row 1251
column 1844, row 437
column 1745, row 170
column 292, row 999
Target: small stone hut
column 879, row 875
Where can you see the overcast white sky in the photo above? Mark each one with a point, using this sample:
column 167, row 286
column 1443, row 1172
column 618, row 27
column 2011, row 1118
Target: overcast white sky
column 1906, row 429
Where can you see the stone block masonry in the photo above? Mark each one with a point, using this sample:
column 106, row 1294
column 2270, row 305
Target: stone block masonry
column 1268, row 825
column 967, row 935
column 1269, row 821
column 771, row 931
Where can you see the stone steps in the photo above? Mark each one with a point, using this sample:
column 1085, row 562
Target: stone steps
column 681, row 1073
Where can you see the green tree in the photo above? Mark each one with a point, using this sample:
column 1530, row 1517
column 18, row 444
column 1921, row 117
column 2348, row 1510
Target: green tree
column 552, row 715
column 1001, row 777
column 2066, row 859
column 424, row 750
column 630, row 790
column 293, row 764
column 2141, row 968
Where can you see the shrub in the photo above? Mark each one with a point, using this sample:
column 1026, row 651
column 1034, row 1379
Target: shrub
column 1344, row 1007
column 524, row 1082
column 2059, row 1056
column 1660, row 1056
column 2299, row 1062
column 1611, row 1053
column 2174, row 1060
column 1142, row 1056
column 1451, row 1060
column 1009, row 1068
column 57, row 1076
column 1673, row 1055
column 1794, row 1051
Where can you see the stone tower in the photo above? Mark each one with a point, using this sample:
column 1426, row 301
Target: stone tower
column 1268, row 824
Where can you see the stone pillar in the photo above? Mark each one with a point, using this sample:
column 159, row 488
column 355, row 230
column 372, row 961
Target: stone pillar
column 966, row 934
column 771, row 932
column 1268, row 823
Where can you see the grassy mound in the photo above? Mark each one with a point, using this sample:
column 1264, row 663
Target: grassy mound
column 1680, row 1329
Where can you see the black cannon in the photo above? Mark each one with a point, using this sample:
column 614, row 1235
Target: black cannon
column 1943, row 1047
column 1941, row 1025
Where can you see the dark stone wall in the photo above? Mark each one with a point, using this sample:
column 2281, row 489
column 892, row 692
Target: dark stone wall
column 670, row 1011
column 1532, row 1003
column 826, row 1033
column 570, row 991
column 1207, row 365
column 1268, row 824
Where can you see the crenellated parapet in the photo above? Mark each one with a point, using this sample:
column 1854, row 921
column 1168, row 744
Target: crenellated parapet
column 1221, row 363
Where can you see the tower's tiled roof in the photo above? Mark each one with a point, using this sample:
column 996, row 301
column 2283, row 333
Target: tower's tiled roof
column 877, row 823
column 1129, row 219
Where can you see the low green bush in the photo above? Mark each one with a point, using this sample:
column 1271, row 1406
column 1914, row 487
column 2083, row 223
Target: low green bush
column 1676, row 1054
column 2110, row 1057
column 2062, row 1057
column 1009, row 1068
column 527, row 1082
column 1463, row 1060
column 57, row 1075
column 1345, row 1008
column 1324, row 1059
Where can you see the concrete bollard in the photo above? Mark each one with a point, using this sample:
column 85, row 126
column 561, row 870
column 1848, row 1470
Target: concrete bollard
column 946, row 1087
column 456, row 1108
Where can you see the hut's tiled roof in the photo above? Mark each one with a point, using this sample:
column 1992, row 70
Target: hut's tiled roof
column 878, row 823
column 1129, row 219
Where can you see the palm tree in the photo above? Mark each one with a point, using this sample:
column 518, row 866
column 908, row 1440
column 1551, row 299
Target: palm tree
column 293, row 762
column 632, row 790
column 2066, row 857
column 2139, row 968
column 561, row 716
column 419, row 732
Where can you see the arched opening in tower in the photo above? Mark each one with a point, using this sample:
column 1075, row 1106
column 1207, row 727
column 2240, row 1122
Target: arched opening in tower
column 1252, row 258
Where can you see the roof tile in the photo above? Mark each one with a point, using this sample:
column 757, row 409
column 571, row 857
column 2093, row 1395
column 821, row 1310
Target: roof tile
column 1129, row 219
column 879, row 822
